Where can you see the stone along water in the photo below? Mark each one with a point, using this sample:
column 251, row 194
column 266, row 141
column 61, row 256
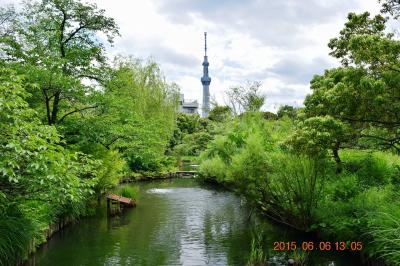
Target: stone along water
column 176, row 222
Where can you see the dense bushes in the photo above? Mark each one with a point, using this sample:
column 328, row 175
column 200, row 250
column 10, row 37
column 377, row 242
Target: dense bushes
column 249, row 168
column 362, row 203
column 373, row 168
column 304, row 191
column 191, row 136
column 247, row 158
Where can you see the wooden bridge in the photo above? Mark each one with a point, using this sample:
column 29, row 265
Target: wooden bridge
column 120, row 199
column 116, row 203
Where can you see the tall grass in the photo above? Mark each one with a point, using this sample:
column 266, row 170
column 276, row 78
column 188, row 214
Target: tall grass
column 294, row 189
column 15, row 235
column 386, row 237
column 129, row 192
column 300, row 257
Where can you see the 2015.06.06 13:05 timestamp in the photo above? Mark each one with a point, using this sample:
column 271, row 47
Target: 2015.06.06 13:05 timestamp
column 320, row 246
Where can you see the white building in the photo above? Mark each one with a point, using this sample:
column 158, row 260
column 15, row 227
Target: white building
column 188, row 106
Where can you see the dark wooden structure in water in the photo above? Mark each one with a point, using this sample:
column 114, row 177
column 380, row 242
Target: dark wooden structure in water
column 116, row 203
column 185, row 173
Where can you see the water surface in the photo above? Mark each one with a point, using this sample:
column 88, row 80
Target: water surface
column 176, row 222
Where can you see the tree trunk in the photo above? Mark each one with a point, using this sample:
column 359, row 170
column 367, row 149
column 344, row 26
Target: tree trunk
column 54, row 112
column 339, row 166
column 47, row 103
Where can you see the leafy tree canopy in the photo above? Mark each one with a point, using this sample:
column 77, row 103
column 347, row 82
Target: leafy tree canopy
column 56, row 44
column 363, row 94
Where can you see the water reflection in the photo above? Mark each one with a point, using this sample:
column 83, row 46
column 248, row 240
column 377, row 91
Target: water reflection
column 176, row 222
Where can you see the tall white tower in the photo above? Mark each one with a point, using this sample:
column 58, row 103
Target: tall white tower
column 205, row 80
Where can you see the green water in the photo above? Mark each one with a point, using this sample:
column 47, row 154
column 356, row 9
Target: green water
column 176, row 222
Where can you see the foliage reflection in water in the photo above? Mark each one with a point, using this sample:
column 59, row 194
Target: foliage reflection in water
column 176, row 222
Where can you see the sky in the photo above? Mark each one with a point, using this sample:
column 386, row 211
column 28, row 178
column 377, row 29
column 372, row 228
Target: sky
column 282, row 43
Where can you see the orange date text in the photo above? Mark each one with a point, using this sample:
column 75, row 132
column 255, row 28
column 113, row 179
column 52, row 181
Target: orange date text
column 318, row 245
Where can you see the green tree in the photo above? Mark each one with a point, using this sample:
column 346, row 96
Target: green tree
column 287, row 110
column 245, row 98
column 139, row 114
column 316, row 135
column 40, row 181
column 363, row 92
column 55, row 44
column 391, row 6
column 32, row 163
column 270, row 116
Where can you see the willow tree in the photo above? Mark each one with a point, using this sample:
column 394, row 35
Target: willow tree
column 143, row 106
column 57, row 44
column 136, row 115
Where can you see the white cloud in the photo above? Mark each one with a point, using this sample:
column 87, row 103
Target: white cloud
column 282, row 43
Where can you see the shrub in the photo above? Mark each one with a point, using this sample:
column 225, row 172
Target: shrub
column 250, row 167
column 223, row 147
column 214, row 168
column 344, row 187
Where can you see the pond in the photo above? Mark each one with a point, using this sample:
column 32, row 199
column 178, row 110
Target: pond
column 176, row 222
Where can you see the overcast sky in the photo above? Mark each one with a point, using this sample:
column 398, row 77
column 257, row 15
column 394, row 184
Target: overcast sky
column 281, row 43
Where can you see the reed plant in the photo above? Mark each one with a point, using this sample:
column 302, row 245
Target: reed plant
column 257, row 256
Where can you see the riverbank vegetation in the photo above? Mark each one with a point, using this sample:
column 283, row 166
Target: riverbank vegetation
column 72, row 122
column 332, row 167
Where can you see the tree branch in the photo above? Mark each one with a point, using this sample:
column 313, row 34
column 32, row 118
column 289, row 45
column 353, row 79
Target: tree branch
column 75, row 111
column 387, row 123
column 77, row 30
